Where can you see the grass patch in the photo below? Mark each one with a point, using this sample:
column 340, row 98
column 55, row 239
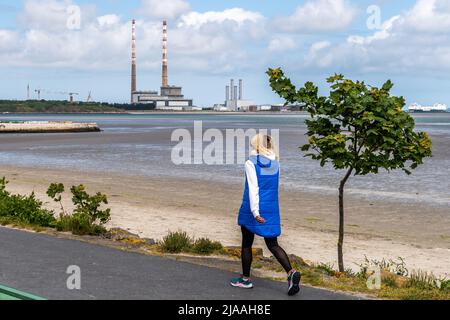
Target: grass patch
column 413, row 294
column 397, row 282
column 425, row 281
column 205, row 246
column 176, row 242
column 79, row 224
column 180, row 241
column 327, row 269
column 8, row 221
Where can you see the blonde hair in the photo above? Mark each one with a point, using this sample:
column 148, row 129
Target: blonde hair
column 264, row 145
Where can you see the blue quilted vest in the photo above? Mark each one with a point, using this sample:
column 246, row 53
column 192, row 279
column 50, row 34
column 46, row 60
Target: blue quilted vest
column 268, row 173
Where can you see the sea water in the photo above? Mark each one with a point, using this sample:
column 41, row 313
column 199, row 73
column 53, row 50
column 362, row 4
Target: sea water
column 141, row 145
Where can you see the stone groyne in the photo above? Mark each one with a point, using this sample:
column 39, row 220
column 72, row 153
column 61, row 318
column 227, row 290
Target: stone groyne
column 47, row 127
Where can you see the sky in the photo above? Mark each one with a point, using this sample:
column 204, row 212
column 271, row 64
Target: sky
column 84, row 46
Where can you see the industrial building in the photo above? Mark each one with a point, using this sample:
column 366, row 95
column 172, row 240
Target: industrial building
column 170, row 97
column 234, row 98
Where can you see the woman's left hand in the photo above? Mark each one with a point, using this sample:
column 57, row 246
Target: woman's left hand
column 260, row 219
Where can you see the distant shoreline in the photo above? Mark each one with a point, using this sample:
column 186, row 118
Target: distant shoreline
column 221, row 113
column 58, row 113
column 161, row 112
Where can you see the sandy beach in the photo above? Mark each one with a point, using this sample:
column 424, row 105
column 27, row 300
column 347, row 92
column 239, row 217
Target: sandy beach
column 151, row 206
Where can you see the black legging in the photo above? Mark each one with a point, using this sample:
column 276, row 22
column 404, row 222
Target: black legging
column 272, row 243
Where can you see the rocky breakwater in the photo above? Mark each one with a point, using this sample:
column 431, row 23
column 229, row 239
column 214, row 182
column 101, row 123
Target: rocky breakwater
column 47, row 127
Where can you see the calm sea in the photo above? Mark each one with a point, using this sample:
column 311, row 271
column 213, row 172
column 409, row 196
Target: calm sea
column 141, row 145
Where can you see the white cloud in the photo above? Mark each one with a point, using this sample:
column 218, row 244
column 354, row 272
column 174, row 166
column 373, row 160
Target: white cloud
column 44, row 14
column 44, row 40
column 429, row 16
column 282, row 43
column 319, row 49
column 319, row 16
column 8, row 41
column 52, row 15
column 414, row 42
column 218, row 40
column 236, row 15
column 383, row 33
column 108, row 20
column 210, row 42
column 164, row 9
column 220, row 31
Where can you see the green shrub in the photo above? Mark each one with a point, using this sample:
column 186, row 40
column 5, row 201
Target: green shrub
column 25, row 209
column 63, row 224
column 79, row 224
column 328, row 269
column 206, row 246
column 55, row 191
column 423, row 280
column 176, row 242
column 87, row 218
column 445, row 285
column 350, row 273
column 390, row 280
column 89, row 206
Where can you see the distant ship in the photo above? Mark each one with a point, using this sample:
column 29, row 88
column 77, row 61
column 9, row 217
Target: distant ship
column 437, row 107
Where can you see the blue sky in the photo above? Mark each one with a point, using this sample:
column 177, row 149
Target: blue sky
column 213, row 41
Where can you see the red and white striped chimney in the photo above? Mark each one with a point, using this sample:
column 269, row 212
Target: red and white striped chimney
column 165, row 78
column 133, row 60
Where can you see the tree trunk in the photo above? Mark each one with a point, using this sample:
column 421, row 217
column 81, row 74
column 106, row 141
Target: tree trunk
column 342, row 221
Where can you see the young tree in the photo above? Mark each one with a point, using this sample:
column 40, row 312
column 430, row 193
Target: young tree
column 358, row 128
column 55, row 191
column 89, row 206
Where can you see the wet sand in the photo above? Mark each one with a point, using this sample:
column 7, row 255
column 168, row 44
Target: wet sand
column 151, row 206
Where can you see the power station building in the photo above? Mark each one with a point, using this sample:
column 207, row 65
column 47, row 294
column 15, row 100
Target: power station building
column 170, row 97
column 234, row 98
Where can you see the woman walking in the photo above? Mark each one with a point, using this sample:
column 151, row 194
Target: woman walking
column 260, row 212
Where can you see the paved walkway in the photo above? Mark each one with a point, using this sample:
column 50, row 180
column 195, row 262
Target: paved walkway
column 37, row 264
